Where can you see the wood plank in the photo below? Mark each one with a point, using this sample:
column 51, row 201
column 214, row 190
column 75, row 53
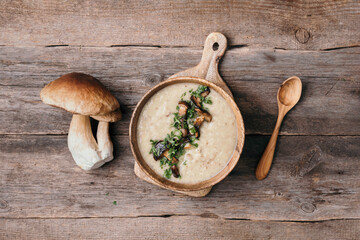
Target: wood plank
column 38, row 178
column 330, row 95
column 284, row 24
column 176, row 227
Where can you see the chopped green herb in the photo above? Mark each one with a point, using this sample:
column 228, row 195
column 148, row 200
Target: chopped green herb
column 163, row 162
column 107, row 194
column 180, row 153
column 192, row 130
column 153, row 149
column 172, row 152
column 192, row 141
column 167, row 173
column 191, row 111
column 208, row 100
column 177, row 121
column 115, row 202
column 198, row 91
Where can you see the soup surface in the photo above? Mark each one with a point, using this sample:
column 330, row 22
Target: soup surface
column 215, row 145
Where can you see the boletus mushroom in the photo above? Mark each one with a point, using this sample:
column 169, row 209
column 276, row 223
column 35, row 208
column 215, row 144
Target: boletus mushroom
column 84, row 96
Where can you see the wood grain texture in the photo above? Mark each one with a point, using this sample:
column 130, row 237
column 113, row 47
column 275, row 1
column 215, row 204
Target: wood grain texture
column 304, row 24
column 39, row 179
column 44, row 195
column 330, row 102
column 175, row 227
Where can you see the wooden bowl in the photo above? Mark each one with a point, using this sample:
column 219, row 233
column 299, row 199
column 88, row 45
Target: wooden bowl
column 163, row 182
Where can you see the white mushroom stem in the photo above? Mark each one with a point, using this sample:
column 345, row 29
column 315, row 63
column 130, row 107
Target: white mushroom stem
column 87, row 153
column 104, row 142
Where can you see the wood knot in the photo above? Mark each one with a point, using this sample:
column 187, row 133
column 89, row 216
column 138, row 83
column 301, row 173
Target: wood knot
column 308, row 207
column 279, row 194
column 3, row 204
column 302, row 35
column 152, row 79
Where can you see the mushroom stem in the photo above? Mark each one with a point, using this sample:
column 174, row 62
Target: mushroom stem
column 82, row 143
column 104, row 142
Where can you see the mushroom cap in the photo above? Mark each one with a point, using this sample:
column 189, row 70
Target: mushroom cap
column 113, row 116
column 83, row 94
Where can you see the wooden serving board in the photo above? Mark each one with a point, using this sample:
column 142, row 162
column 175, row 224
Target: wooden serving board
column 214, row 48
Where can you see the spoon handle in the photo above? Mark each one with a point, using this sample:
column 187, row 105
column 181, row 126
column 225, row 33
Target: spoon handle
column 264, row 165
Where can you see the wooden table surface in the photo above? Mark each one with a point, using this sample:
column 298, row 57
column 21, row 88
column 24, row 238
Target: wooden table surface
column 132, row 45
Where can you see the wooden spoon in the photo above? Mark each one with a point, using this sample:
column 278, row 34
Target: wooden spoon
column 288, row 95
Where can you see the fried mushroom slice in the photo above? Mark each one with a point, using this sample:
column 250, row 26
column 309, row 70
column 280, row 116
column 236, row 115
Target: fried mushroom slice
column 160, row 150
column 184, row 132
column 188, row 146
column 167, row 155
column 204, row 113
column 196, row 101
column 183, row 108
column 195, row 133
column 206, row 92
column 197, row 123
column 175, row 171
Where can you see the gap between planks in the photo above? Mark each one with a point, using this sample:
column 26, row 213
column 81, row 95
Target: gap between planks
column 189, row 47
column 204, row 216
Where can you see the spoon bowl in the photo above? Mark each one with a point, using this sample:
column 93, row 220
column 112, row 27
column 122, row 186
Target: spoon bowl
column 290, row 91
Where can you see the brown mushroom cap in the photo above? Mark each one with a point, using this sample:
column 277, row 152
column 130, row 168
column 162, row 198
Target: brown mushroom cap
column 109, row 117
column 82, row 94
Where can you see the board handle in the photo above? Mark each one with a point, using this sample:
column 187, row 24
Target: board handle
column 214, row 48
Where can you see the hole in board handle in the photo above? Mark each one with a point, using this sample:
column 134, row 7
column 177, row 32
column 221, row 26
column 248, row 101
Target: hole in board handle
column 215, row 46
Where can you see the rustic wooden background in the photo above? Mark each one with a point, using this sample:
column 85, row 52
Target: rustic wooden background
column 132, row 45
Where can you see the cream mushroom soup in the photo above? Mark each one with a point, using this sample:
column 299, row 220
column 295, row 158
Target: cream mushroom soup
column 209, row 128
